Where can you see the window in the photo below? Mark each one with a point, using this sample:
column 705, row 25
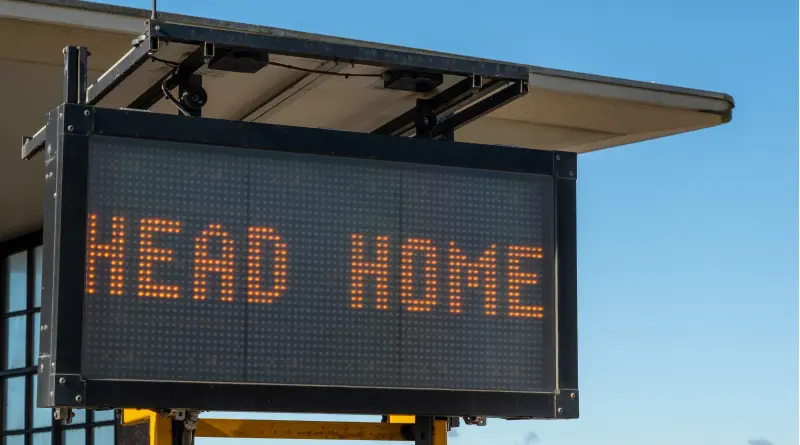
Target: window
column 21, row 421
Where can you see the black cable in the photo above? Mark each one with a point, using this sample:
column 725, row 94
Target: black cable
column 283, row 65
column 176, row 65
column 309, row 70
column 165, row 62
column 169, row 95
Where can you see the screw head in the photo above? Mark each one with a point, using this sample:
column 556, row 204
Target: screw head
column 70, row 128
column 572, row 395
column 86, row 112
column 62, row 381
column 571, row 173
column 560, row 410
column 78, row 398
column 558, row 157
column 157, row 28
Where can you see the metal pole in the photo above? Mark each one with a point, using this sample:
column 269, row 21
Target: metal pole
column 153, row 12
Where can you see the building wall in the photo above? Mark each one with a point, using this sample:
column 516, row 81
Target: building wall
column 22, row 422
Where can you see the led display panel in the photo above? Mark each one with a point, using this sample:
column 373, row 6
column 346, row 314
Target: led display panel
column 222, row 264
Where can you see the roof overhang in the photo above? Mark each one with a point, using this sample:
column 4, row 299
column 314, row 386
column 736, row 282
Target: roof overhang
column 561, row 111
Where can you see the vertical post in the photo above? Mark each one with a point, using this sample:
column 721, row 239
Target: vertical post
column 440, row 428
column 160, row 429
column 153, row 12
column 83, row 73
column 70, row 75
column 423, row 430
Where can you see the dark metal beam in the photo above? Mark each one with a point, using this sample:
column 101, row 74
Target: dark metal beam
column 510, row 93
column 70, row 89
column 438, row 104
column 83, row 73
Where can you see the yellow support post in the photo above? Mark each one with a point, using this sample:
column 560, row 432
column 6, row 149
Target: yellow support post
column 160, row 429
column 439, row 432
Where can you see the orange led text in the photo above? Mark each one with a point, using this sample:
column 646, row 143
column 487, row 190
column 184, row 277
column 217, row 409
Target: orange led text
column 414, row 274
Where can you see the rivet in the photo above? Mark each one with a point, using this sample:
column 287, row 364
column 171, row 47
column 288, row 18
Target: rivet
column 70, row 128
column 49, row 149
column 560, row 410
column 53, row 365
column 78, row 398
column 558, row 157
column 157, row 28
column 62, row 381
column 55, row 195
column 571, row 173
column 41, row 368
column 572, row 395
column 86, row 112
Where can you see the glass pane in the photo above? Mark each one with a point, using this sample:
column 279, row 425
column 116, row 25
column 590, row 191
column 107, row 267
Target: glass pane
column 14, row 440
column 15, row 335
column 104, row 435
column 42, row 439
column 16, row 287
column 75, row 437
column 41, row 416
column 79, row 417
column 37, row 279
column 15, row 404
column 35, row 345
column 104, row 415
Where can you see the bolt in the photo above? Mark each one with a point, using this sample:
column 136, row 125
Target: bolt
column 157, row 28
column 70, row 128
column 572, row 395
column 53, row 365
column 62, row 381
column 55, row 195
column 571, row 173
column 78, row 398
column 86, row 113
column 560, row 410
column 41, row 368
column 558, row 157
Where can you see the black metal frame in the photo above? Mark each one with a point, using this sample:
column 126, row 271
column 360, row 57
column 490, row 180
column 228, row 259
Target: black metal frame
column 69, row 129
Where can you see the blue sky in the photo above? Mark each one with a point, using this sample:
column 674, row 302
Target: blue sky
column 687, row 245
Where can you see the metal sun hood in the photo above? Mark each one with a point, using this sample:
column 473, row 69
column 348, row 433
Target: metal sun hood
column 440, row 93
